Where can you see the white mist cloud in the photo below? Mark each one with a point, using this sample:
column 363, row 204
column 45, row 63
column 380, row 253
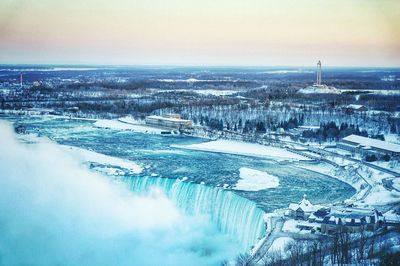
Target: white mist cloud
column 53, row 211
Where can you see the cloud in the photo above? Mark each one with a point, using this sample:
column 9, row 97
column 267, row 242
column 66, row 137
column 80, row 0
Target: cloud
column 53, row 211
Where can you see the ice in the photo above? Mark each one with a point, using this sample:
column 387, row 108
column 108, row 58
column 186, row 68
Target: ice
column 254, row 180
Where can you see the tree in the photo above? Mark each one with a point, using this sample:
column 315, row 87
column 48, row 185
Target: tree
column 244, row 260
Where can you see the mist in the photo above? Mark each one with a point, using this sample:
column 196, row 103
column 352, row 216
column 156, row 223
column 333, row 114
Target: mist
column 55, row 211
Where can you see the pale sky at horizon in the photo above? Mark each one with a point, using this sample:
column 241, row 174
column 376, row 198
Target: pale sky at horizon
column 219, row 32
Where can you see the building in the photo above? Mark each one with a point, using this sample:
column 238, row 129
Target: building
column 319, row 215
column 351, row 108
column 319, row 70
column 170, row 121
column 364, row 145
column 303, row 209
column 352, row 220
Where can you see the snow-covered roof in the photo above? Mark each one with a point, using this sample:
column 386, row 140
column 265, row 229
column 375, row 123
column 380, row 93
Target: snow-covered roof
column 305, row 205
column 167, row 118
column 355, row 106
column 319, row 89
column 374, row 143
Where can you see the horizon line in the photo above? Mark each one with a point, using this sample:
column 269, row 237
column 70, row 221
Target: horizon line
column 191, row 65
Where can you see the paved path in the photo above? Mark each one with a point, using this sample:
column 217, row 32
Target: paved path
column 269, row 239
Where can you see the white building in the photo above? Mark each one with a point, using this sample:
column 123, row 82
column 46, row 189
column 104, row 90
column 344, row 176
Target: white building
column 171, row 121
column 363, row 145
column 303, row 209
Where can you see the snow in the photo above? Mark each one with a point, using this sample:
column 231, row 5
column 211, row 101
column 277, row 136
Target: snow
column 280, row 244
column 319, row 89
column 384, row 145
column 94, row 157
column 255, row 180
column 215, row 92
column 129, row 120
column 394, row 138
column 305, row 205
column 381, row 196
column 287, row 71
column 242, row 148
column 189, row 80
column 290, row 226
column 205, row 92
column 109, row 171
column 396, row 183
column 171, row 119
column 392, row 216
column 114, row 124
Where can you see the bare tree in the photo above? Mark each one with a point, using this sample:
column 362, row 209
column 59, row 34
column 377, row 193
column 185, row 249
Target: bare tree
column 244, row 260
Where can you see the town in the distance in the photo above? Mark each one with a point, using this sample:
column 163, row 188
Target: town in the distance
column 300, row 165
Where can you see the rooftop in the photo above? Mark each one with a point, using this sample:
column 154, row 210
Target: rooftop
column 168, row 118
column 374, row 143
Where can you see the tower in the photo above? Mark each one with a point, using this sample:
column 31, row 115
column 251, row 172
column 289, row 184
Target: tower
column 319, row 72
column 20, row 80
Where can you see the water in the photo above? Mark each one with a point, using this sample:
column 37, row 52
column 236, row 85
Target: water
column 232, row 214
column 235, row 213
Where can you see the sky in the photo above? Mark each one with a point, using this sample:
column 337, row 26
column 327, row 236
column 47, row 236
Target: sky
column 207, row 32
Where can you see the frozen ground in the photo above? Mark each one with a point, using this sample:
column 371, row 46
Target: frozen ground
column 114, row 124
column 242, row 148
column 280, row 244
column 290, row 226
column 254, row 180
column 360, row 177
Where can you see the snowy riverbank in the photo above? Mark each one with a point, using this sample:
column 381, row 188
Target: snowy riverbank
column 118, row 125
column 243, row 148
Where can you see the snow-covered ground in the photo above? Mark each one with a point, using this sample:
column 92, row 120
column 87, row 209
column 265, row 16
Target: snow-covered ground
column 243, row 148
column 254, row 180
column 396, row 183
column 290, row 226
column 115, row 124
column 319, row 89
column 378, row 195
column 215, row 92
column 391, row 215
column 280, row 245
column 205, row 92
column 360, row 177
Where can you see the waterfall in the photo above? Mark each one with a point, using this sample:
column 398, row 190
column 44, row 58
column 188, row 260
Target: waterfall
column 234, row 215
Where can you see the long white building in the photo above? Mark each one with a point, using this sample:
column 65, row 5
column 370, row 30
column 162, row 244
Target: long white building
column 171, row 121
column 362, row 145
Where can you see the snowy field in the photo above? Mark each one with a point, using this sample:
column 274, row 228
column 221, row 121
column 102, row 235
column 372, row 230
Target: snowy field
column 242, row 148
column 280, row 245
column 114, row 124
column 254, row 180
column 205, row 92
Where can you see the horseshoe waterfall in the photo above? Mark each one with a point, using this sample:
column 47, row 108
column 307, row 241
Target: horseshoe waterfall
column 234, row 215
